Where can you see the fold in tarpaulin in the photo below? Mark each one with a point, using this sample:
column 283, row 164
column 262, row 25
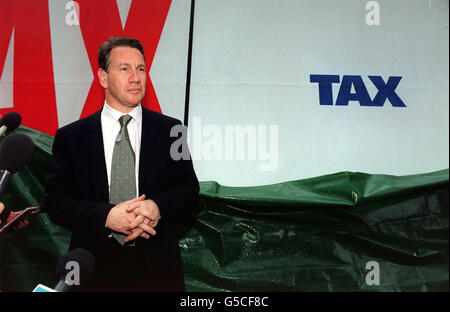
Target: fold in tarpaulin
column 340, row 232
column 322, row 234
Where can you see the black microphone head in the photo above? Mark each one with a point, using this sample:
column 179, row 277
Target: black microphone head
column 84, row 261
column 15, row 151
column 11, row 119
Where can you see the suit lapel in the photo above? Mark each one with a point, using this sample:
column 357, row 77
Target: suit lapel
column 148, row 153
column 96, row 154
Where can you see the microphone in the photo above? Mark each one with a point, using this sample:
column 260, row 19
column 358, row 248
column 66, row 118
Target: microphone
column 77, row 267
column 9, row 121
column 15, row 151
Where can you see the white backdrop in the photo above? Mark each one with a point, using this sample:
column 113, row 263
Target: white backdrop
column 252, row 62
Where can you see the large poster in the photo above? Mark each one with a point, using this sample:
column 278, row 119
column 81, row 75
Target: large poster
column 277, row 91
column 317, row 87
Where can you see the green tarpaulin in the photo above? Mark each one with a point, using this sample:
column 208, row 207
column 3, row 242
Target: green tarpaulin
column 340, row 232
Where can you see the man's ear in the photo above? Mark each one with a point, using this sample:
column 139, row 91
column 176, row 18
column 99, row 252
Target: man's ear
column 102, row 78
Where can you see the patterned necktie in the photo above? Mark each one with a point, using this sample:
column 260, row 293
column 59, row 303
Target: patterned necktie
column 123, row 179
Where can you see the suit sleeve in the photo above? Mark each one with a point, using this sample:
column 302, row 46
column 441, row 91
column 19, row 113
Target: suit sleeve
column 62, row 199
column 182, row 197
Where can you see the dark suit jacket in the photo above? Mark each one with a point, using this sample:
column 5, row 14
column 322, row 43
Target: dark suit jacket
column 77, row 194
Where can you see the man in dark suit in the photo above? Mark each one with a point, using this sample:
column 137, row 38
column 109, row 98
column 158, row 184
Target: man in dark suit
column 100, row 166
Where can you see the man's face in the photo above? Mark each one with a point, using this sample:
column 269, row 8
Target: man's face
column 125, row 80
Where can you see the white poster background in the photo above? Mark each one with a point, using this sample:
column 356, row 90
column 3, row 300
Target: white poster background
column 252, row 61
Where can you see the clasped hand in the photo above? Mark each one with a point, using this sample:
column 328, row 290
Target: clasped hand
column 134, row 218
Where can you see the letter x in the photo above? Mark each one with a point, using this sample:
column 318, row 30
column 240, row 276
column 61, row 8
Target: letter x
column 145, row 22
column 386, row 91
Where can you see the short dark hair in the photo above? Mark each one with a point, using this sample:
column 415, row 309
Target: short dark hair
column 105, row 49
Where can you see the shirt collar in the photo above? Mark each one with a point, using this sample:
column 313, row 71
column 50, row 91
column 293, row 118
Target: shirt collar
column 113, row 114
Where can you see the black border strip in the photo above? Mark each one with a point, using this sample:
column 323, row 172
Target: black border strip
column 189, row 63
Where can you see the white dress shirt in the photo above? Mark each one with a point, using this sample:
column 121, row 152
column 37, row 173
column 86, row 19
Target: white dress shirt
column 111, row 127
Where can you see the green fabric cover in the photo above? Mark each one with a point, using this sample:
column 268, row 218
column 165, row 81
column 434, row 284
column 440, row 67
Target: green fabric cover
column 314, row 234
